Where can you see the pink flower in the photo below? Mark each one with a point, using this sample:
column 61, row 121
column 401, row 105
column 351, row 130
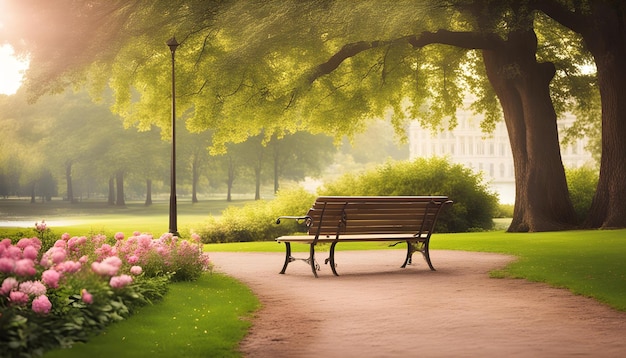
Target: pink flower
column 119, row 236
column 41, row 226
column 104, row 269
column 13, row 252
column 114, row 261
column 86, row 296
column 132, row 259
column 136, row 270
column 104, row 251
column 25, row 242
column 73, row 243
column 120, row 281
column 30, row 252
column 51, row 278
column 33, row 288
column 18, row 297
column 6, row 264
column 25, row 267
column 196, row 238
column 9, row 284
column 68, row 266
column 41, row 304
column 204, row 261
column 65, row 236
column 53, row 256
column 60, row 244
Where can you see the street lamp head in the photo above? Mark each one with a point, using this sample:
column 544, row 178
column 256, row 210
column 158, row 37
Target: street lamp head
column 173, row 44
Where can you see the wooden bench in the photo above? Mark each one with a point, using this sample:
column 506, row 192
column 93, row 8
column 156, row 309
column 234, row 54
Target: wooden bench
column 395, row 219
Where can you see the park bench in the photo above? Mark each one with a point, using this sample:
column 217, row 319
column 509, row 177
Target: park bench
column 394, row 219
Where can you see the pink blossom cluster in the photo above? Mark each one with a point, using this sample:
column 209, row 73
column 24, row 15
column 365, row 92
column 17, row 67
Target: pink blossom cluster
column 18, row 261
column 41, row 226
column 27, row 275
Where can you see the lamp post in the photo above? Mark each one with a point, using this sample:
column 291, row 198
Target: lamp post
column 173, row 44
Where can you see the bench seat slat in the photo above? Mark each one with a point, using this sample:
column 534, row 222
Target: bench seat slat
column 306, row 239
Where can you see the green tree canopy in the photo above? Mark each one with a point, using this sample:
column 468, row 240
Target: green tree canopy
column 271, row 68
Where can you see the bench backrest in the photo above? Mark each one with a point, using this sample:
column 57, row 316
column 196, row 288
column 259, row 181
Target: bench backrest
column 375, row 214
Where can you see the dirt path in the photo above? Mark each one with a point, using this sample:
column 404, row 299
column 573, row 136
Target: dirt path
column 376, row 309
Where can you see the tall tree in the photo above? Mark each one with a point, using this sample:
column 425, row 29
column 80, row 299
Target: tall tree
column 602, row 24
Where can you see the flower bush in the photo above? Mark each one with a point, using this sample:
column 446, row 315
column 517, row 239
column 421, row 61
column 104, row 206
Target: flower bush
column 58, row 295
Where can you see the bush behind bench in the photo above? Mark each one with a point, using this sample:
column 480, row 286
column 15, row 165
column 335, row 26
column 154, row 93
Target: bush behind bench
column 473, row 210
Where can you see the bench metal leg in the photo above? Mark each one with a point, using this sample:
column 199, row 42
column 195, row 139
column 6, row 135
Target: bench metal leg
column 311, row 260
column 426, row 255
column 331, row 258
column 288, row 257
column 314, row 265
column 421, row 247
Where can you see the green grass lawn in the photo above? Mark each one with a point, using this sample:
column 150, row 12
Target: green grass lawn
column 204, row 318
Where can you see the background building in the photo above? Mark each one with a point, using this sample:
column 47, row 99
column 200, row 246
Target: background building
column 487, row 153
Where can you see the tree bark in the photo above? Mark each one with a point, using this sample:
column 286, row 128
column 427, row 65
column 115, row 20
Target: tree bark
column 522, row 85
column 608, row 208
column 601, row 24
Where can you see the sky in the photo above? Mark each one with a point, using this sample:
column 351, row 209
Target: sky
column 11, row 70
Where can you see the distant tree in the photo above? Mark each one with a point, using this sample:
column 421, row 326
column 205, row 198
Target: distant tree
column 298, row 155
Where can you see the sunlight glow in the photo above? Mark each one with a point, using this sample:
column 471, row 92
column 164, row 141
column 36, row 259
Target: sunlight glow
column 11, row 70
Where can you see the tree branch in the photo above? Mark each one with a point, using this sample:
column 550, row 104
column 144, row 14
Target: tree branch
column 557, row 11
column 468, row 40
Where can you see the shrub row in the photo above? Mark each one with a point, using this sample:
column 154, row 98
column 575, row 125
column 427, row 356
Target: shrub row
column 257, row 221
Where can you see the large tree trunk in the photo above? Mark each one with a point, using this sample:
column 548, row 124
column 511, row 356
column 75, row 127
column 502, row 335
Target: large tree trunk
column 542, row 200
column 601, row 24
column 608, row 209
column 606, row 39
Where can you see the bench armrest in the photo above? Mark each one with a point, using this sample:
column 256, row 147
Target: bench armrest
column 299, row 219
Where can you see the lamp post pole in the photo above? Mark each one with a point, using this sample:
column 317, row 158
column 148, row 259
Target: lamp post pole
column 173, row 44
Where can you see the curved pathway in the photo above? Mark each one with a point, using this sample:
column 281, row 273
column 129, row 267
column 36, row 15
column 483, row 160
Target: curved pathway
column 376, row 309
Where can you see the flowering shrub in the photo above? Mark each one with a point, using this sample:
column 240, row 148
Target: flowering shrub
column 63, row 294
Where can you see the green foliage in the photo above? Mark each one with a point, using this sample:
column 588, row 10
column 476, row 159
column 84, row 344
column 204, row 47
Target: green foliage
column 504, row 211
column 474, row 206
column 581, row 183
column 256, row 221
